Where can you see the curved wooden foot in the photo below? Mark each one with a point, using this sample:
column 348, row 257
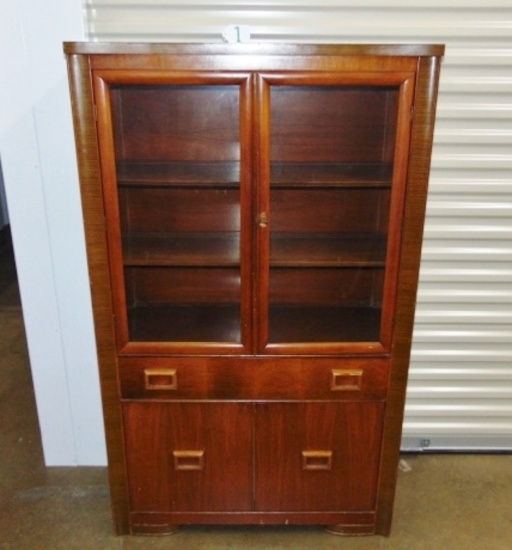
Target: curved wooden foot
column 155, row 530
column 349, row 530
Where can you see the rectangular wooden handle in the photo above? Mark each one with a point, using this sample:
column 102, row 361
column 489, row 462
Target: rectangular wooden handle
column 160, row 379
column 316, row 460
column 346, row 379
column 188, row 460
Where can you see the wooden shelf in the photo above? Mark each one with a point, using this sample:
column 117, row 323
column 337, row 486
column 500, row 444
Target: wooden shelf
column 182, row 249
column 221, row 323
column 221, row 174
column 185, row 323
column 223, row 250
column 296, row 324
column 321, row 250
column 330, row 174
column 227, row 174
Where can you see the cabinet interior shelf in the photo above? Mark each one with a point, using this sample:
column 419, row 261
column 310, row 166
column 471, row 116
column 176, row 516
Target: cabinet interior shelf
column 220, row 323
column 332, row 250
column 223, row 249
column 132, row 172
column 227, row 174
column 331, row 174
column 185, row 323
column 316, row 324
column 182, row 249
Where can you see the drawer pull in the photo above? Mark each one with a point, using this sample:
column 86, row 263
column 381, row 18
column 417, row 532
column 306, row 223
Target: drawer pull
column 316, row 460
column 160, row 379
column 188, row 460
column 346, row 379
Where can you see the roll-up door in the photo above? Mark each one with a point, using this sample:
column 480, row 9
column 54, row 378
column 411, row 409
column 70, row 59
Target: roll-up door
column 460, row 391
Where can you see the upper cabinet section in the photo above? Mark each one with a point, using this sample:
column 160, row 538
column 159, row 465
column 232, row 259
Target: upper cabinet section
column 255, row 195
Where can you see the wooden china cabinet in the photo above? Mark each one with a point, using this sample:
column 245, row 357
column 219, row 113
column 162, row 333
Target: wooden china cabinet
column 254, row 218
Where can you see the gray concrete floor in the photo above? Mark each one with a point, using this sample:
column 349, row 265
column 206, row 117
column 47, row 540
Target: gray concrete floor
column 461, row 502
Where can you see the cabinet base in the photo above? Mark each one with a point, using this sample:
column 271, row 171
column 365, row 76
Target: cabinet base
column 338, row 530
column 342, row 524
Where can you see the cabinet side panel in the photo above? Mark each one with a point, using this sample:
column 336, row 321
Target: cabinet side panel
column 97, row 256
column 418, row 176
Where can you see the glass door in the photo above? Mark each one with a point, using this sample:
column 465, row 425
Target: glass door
column 175, row 194
column 332, row 202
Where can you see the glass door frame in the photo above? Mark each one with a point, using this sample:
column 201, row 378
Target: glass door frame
column 103, row 81
column 405, row 84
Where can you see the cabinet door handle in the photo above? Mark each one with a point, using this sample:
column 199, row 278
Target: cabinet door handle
column 346, row 379
column 160, row 379
column 188, row 460
column 316, row 460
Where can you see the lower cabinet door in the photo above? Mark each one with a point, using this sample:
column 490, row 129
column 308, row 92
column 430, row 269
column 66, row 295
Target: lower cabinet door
column 317, row 456
column 189, row 456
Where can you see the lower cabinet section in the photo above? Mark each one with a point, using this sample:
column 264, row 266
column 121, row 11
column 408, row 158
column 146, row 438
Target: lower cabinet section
column 274, row 462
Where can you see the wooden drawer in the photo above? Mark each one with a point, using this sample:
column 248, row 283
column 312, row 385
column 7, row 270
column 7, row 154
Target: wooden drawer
column 253, row 379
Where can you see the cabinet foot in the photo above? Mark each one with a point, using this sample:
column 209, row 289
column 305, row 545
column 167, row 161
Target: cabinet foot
column 155, row 530
column 349, row 530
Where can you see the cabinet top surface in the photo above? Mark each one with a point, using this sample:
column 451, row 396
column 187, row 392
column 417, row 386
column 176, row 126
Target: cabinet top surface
column 161, row 48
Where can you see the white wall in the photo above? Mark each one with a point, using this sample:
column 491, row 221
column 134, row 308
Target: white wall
column 4, row 217
column 39, row 170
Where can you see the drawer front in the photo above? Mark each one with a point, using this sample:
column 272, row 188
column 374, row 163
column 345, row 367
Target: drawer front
column 253, row 379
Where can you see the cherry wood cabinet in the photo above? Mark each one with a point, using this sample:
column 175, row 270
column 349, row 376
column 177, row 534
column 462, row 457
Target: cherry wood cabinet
column 253, row 217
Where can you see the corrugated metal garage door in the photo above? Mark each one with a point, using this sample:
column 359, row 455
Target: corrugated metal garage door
column 460, row 393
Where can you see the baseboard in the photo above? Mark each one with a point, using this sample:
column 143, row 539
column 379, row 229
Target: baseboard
column 432, row 443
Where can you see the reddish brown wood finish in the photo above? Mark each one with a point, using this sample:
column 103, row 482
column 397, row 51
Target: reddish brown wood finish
column 350, row 431
column 254, row 378
column 193, row 113
column 189, row 456
column 420, row 151
column 296, row 110
column 86, row 141
column 254, row 218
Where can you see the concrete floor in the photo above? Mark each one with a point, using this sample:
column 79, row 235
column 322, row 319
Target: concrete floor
column 444, row 502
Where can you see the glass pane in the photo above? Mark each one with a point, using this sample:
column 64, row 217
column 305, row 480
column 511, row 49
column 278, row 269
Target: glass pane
column 178, row 174
column 332, row 151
